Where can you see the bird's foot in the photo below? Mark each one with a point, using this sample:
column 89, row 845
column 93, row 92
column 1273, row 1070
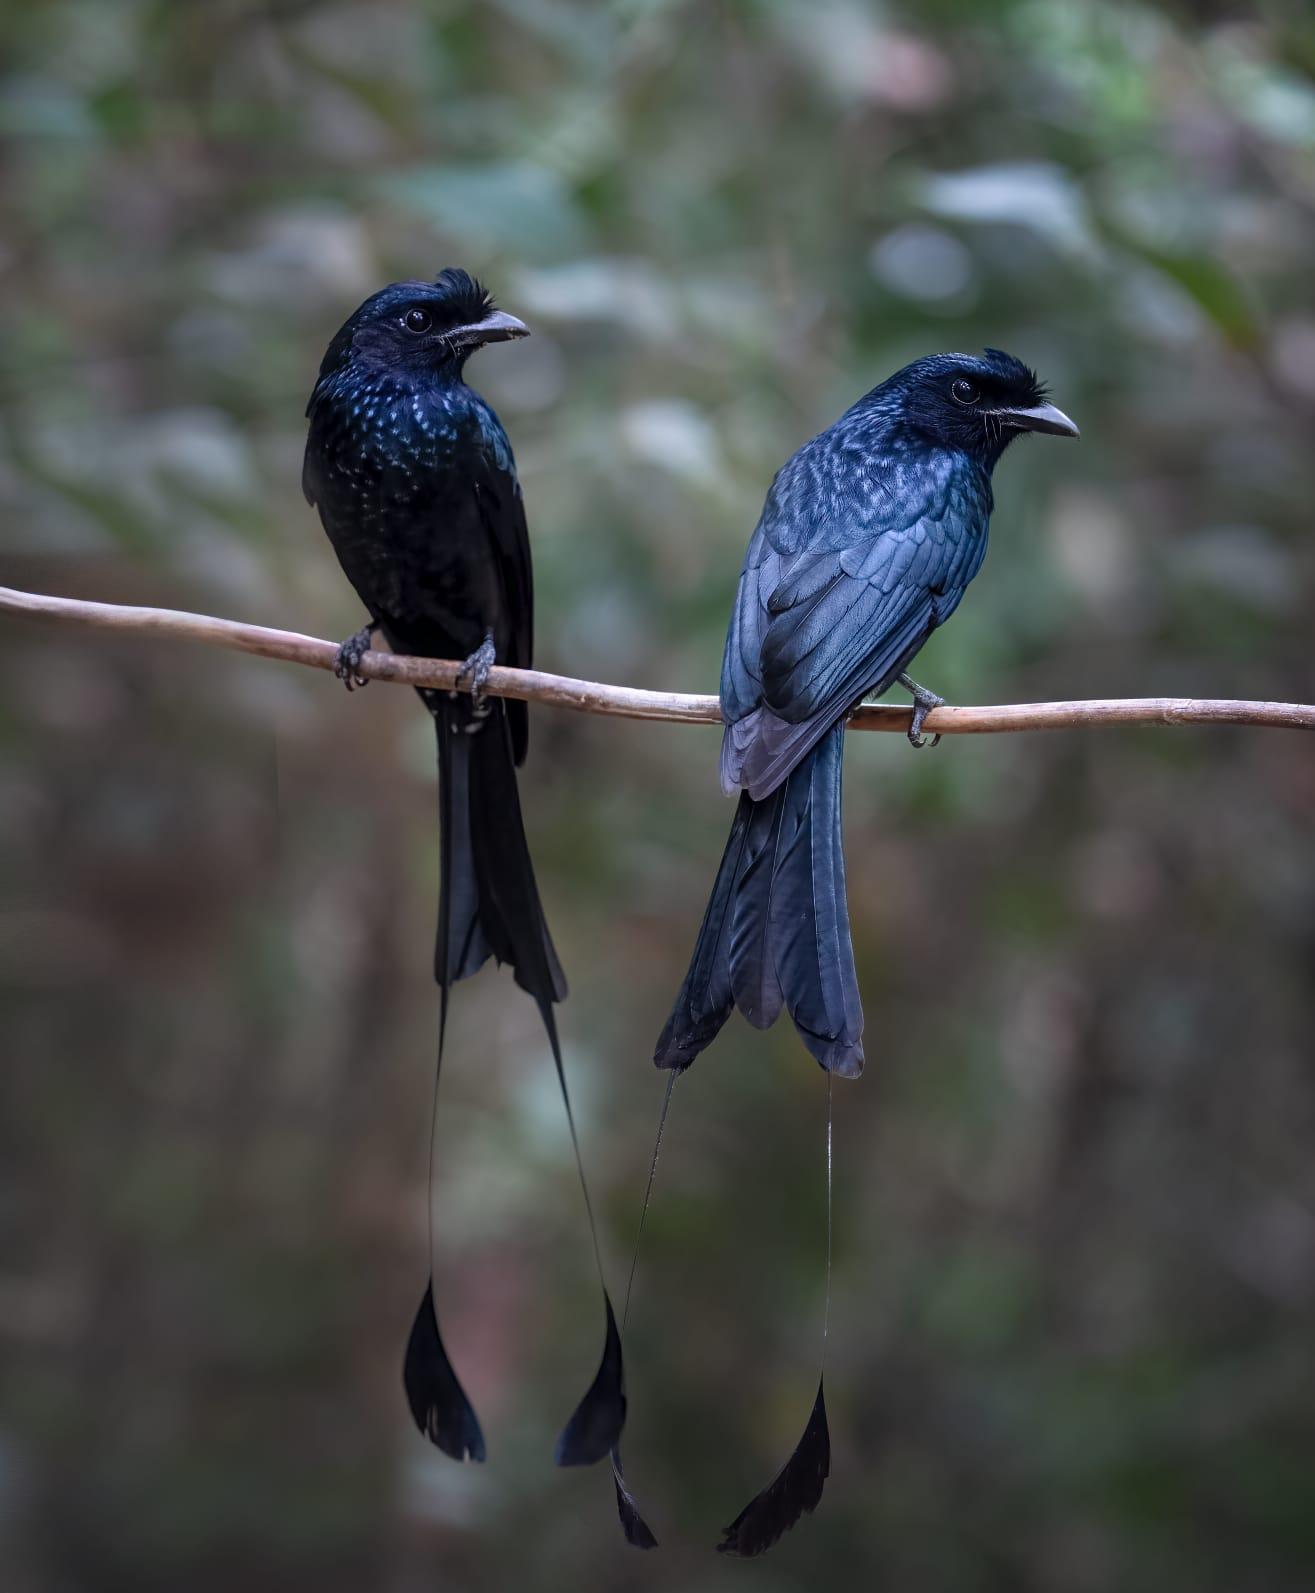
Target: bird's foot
column 347, row 665
column 923, row 703
column 475, row 670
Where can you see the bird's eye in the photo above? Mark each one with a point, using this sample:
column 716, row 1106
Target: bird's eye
column 963, row 392
column 417, row 320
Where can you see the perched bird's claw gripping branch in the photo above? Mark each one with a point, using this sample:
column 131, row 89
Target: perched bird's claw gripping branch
column 630, row 702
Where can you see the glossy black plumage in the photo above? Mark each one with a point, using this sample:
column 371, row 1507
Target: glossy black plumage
column 796, row 1490
column 415, row 483
column 637, row 1532
column 592, row 1431
column 868, row 539
column 438, row 1402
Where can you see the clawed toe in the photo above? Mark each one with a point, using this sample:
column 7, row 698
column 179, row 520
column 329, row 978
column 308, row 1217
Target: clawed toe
column 475, row 671
column 921, row 708
column 923, row 703
column 347, row 665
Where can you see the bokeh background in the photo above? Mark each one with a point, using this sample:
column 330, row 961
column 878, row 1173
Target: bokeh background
column 1075, row 1192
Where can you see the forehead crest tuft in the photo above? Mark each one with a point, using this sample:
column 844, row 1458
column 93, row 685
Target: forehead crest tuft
column 1015, row 373
column 460, row 289
column 454, row 296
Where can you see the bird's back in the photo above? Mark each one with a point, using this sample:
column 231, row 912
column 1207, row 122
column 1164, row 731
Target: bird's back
column 865, row 543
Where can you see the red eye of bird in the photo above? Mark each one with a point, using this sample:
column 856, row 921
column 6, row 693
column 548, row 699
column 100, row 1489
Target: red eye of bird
column 417, row 320
column 963, row 392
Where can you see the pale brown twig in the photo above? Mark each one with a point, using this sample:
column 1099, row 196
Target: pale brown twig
column 630, row 702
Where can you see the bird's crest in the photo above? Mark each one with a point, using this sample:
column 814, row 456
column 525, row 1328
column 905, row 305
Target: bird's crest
column 464, row 293
column 1007, row 365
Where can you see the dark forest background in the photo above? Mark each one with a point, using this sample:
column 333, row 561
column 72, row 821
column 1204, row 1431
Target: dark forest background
column 1075, row 1191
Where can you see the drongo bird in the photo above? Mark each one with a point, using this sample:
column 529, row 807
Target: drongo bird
column 415, row 483
column 868, row 539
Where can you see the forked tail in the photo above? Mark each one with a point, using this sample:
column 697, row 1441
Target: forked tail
column 489, row 899
column 776, row 932
column 489, row 907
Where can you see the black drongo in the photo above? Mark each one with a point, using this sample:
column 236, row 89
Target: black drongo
column 414, row 480
column 868, row 539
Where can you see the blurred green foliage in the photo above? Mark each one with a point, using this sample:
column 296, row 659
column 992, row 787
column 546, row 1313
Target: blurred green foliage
column 1076, row 1199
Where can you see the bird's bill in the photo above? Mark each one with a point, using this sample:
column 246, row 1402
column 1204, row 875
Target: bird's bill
column 1048, row 418
column 496, row 327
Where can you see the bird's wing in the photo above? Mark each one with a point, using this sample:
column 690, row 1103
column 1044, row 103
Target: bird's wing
column 827, row 611
column 502, row 513
column 840, row 623
column 741, row 666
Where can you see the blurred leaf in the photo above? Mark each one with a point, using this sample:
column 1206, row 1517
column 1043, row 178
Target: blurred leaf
column 514, row 206
column 1208, row 284
column 1031, row 194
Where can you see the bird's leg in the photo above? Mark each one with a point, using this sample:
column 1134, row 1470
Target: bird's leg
column 350, row 653
column 476, row 671
column 923, row 703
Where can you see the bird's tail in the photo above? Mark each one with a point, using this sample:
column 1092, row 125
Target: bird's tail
column 776, row 932
column 489, row 906
column 489, row 900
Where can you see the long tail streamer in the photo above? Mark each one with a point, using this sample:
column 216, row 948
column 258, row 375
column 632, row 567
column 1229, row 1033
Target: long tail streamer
column 637, row 1531
column 595, row 1428
column 438, row 1403
column 797, row 1488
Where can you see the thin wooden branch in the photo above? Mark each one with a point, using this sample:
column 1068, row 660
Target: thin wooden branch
column 629, row 702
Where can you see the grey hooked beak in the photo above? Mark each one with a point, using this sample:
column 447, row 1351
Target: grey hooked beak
column 496, row 327
column 1048, row 418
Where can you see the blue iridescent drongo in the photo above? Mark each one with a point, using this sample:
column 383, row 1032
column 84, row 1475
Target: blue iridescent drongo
column 868, row 539
column 415, row 483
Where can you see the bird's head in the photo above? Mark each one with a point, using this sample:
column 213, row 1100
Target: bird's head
column 977, row 405
column 418, row 328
